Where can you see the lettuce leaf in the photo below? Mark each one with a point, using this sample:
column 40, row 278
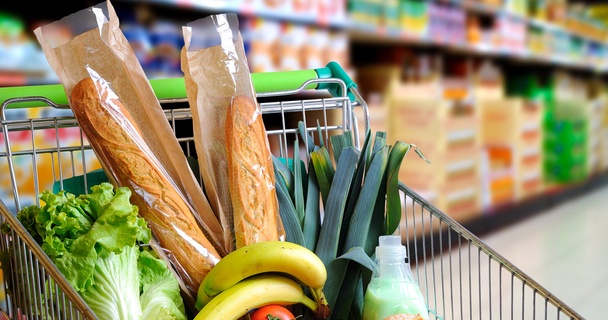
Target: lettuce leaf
column 160, row 298
column 115, row 290
column 98, row 242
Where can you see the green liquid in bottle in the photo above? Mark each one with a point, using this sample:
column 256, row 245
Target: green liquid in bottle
column 386, row 297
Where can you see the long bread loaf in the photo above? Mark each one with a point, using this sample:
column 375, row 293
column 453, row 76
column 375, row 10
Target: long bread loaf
column 115, row 140
column 250, row 174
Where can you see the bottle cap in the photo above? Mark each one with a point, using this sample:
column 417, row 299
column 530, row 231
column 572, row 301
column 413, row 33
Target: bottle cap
column 390, row 247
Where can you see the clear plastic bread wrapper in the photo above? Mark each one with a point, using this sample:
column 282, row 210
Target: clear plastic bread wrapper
column 229, row 132
column 126, row 127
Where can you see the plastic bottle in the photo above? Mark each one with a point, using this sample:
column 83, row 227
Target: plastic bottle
column 392, row 289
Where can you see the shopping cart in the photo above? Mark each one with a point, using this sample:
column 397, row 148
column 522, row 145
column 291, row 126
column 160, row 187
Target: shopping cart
column 460, row 276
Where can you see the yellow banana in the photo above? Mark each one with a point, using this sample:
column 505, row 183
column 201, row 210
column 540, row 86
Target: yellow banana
column 262, row 257
column 252, row 293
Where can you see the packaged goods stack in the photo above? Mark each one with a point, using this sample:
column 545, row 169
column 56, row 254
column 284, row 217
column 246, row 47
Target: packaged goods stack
column 512, row 34
column 447, row 24
column 565, row 131
column 595, row 114
column 436, row 112
column 498, row 117
column 604, row 132
column 518, row 7
column 511, row 139
column 413, row 16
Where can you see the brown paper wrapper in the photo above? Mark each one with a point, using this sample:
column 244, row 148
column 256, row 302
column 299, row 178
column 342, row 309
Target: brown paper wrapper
column 215, row 72
column 124, row 122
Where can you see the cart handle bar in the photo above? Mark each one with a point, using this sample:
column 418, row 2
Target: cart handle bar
column 172, row 88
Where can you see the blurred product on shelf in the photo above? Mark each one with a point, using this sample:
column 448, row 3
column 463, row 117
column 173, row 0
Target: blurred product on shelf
column 497, row 134
column 511, row 135
column 566, row 129
column 262, row 44
column 604, row 132
column 549, row 31
column 435, row 112
column 321, row 12
column 367, row 13
column 413, row 16
column 447, row 24
column 595, row 115
column 518, row 7
column 167, row 41
column 512, row 33
column 21, row 60
column 293, row 39
column 274, row 45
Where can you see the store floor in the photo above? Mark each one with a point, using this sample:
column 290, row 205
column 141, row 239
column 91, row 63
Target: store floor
column 564, row 249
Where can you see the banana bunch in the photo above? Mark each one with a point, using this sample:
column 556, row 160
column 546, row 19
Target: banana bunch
column 269, row 272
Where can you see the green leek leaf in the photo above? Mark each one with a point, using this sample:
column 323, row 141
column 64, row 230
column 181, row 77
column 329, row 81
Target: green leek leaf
column 320, row 133
column 324, row 170
column 340, row 142
column 312, row 214
column 289, row 217
column 347, row 292
column 310, row 141
column 358, row 299
column 298, row 192
column 358, row 255
column 356, row 186
column 327, row 246
column 338, row 268
column 359, row 226
column 376, row 226
column 282, row 170
column 393, row 199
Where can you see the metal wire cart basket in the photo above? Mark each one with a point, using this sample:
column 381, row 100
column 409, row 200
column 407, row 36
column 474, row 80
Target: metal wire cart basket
column 460, row 276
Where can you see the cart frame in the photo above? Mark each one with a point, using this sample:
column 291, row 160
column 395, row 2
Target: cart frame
column 460, row 276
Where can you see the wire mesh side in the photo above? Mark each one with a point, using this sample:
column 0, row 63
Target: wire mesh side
column 319, row 118
column 461, row 277
column 33, row 287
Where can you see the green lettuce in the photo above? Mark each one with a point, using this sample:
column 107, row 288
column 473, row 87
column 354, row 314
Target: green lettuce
column 98, row 242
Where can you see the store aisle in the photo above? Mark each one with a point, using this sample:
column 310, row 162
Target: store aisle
column 564, row 249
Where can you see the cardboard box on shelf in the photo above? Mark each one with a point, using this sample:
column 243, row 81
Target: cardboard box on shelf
column 445, row 130
column 514, row 124
column 497, row 175
column 603, row 133
column 595, row 143
column 449, row 138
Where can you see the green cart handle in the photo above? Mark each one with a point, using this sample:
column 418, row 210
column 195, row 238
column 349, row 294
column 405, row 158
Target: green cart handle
column 291, row 80
column 172, row 88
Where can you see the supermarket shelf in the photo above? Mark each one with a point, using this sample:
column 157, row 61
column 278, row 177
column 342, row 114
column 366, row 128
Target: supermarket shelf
column 481, row 8
column 374, row 34
column 255, row 9
column 381, row 35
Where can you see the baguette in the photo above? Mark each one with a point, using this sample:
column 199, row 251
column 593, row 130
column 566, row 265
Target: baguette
column 116, row 141
column 250, row 174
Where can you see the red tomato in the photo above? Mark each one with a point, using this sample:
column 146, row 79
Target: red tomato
column 272, row 312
